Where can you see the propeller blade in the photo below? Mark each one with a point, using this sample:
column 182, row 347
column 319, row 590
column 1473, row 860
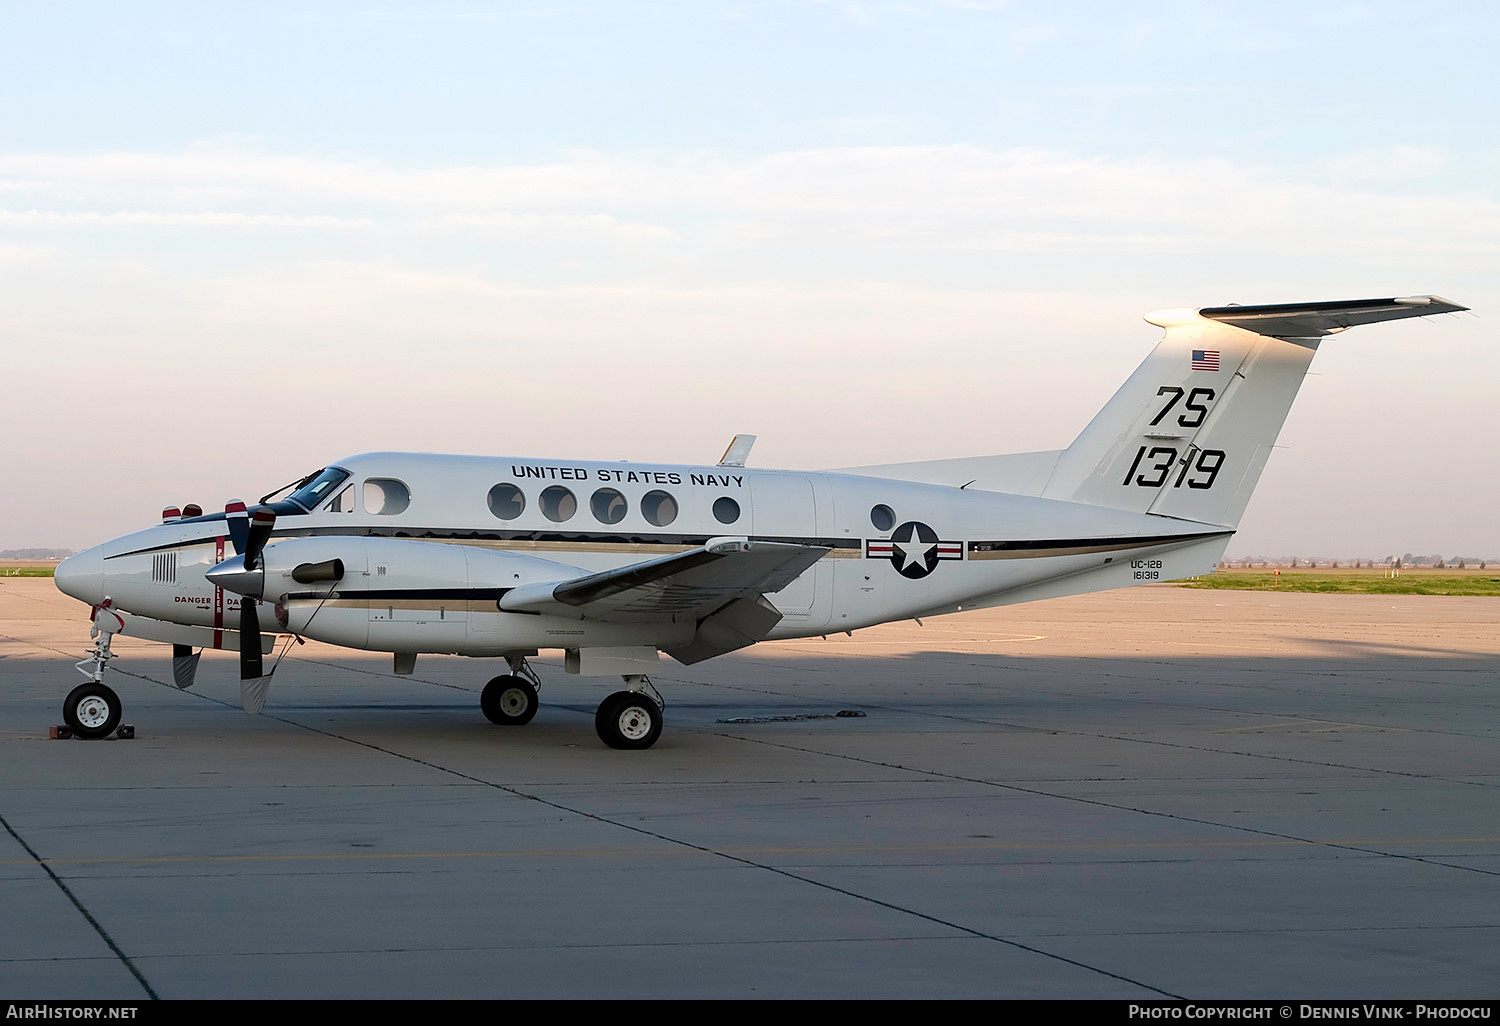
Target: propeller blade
column 262, row 521
column 250, row 660
column 239, row 525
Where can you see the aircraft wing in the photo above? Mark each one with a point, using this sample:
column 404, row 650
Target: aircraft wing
column 696, row 583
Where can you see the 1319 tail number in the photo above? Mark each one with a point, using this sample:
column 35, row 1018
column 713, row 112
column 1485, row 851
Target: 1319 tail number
column 1156, row 462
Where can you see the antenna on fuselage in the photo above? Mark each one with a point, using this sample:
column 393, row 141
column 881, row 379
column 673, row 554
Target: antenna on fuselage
column 738, row 451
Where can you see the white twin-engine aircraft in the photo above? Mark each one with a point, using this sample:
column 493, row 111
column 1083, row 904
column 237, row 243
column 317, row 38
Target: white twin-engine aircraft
column 616, row 562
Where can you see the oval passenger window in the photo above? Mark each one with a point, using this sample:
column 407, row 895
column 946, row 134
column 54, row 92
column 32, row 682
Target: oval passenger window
column 507, row 501
column 609, row 506
column 558, row 504
column 726, row 510
column 659, row 508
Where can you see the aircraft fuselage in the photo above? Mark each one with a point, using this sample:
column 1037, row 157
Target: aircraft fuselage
column 426, row 577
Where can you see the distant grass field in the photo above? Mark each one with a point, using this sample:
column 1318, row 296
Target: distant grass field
column 1354, row 582
column 26, row 571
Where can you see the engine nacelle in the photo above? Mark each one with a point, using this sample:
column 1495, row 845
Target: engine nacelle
column 406, row 595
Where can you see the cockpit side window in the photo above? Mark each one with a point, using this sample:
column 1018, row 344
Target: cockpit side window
column 312, row 494
column 385, row 496
column 343, row 502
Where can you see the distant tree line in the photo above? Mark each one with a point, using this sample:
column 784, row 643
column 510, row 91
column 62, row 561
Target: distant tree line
column 1406, row 559
column 35, row 553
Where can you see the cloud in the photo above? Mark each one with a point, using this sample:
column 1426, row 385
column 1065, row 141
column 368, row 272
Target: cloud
column 956, row 198
column 1386, row 163
column 138, row 218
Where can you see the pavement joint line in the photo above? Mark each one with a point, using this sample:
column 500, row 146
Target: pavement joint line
column 927, row 712
column 579, row 946
column 1257, row 932
column 413, row 949
column 910, row 711
column 672, row 840
column 961, row 719
column 750, row 863
column 1288, row 759
column 1122, row 808
column 867, row 898
column 87, row 915
column 1084, row 846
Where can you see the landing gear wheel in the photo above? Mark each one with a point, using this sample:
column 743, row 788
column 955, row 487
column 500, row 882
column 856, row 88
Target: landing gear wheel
column 628, row 719
column 92, row 710
column 509, row 701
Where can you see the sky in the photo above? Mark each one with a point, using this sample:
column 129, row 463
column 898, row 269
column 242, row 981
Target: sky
column 239, row 243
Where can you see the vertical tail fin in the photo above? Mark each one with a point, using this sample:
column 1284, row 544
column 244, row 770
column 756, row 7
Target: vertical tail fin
column 1189, row 432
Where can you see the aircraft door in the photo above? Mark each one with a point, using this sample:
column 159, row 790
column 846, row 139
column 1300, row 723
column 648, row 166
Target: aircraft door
column 787, row 510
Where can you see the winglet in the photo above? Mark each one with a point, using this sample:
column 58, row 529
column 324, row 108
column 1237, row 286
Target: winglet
column 738, row 451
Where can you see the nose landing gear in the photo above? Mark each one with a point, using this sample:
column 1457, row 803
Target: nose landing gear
column 93, row 710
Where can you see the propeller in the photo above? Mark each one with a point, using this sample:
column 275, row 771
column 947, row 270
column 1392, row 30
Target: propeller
column 249, row 533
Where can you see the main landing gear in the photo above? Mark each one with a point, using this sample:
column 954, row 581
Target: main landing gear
column 630, row 719
column 511, row 699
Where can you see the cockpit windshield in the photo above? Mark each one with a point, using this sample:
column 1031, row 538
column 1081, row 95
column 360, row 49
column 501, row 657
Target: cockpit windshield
column 317, row 488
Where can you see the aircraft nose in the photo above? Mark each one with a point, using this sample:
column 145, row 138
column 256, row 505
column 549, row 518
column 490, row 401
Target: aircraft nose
column 81, row 576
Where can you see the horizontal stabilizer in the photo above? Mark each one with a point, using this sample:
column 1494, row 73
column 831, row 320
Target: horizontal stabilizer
column 1309, row 320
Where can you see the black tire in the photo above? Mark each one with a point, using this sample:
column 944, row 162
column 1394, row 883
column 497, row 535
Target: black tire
column 93, row 711
column 509, row 701
column 629, row 720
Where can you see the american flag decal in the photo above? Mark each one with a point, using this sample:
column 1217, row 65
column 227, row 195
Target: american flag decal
column 1206, row 359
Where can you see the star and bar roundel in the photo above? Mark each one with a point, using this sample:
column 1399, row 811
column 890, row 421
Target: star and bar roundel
column 914, row 549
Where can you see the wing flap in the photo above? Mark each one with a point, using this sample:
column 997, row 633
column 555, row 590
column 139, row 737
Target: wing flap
column 694, row 583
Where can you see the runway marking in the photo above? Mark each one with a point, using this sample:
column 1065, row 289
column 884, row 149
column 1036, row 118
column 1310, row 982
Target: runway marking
column 354, row 856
